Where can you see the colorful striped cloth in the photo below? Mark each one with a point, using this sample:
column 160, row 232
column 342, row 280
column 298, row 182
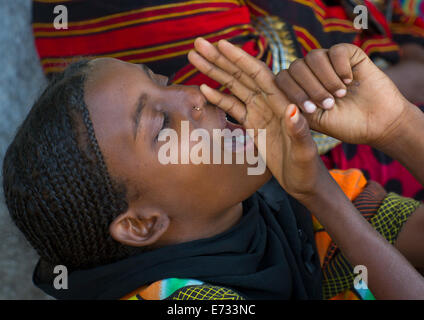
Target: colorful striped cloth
column 160, row 33
column 157, row 33
column 182, row 289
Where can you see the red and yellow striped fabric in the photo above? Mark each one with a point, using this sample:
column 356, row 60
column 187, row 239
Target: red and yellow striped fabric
column 156, row 33
column 160, row 33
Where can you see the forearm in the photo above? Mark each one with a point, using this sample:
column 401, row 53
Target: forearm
column 406, row 144
column 390, row 275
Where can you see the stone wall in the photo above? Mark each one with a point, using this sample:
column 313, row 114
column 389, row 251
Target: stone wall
column 21, row 81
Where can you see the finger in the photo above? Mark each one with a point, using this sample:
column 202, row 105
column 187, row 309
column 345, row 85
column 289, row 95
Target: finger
column 238, row 89
column 340, row 59
column 253, row 67
column 294, row 92
column 229, row 104
column 259, row 72
column 305, row 78
column 303, row 148
column 211, row 53
column 319, row 63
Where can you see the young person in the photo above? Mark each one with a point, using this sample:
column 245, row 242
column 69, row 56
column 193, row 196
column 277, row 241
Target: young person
column 83, row 182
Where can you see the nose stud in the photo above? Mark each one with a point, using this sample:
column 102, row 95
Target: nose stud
column 196, row 113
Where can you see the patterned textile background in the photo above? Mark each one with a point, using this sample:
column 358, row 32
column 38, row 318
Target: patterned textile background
column 21, row 80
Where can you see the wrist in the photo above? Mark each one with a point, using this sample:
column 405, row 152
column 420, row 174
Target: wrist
column 321, row 196
column 398, row 136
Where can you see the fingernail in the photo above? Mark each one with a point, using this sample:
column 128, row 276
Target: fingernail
column 309, row 106
column 340, row 93
column 204, row 87
column 328, row 103
column 347, row 81
column 199, row 39
column 294, row 114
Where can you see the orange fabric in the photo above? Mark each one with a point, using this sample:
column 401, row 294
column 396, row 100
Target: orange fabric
column 133, row 293
column 322, row 240
column 346, row 295
column 352, row 182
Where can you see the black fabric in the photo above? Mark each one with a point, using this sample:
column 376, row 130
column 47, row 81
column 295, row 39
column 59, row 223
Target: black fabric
column 264, row 256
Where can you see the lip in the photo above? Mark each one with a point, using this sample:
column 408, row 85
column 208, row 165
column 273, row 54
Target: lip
column 225, row 124
column 222, row 117
column 234, row 145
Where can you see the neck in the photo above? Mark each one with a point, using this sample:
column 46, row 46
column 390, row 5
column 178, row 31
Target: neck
column 183, row 231
column 226, row 220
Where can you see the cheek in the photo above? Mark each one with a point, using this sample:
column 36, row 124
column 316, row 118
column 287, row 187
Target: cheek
column 184, row 163
column 180, row 188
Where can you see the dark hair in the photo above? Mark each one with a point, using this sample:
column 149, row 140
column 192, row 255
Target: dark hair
column 56, row 183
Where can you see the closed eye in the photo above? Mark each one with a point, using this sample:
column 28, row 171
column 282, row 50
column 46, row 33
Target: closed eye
column 165, row 123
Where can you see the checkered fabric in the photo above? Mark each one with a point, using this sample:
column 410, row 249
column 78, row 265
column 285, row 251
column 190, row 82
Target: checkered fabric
column 205, row 292
column 391, row 215
column 200, row 292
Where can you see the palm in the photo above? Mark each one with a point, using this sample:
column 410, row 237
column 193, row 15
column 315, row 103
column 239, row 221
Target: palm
column 261, row 116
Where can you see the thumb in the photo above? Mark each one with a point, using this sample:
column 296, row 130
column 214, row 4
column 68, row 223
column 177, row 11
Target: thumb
column 302, row 146
column 296, row 126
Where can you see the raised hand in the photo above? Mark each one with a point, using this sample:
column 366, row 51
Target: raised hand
column 291, row 154
column 356, row 102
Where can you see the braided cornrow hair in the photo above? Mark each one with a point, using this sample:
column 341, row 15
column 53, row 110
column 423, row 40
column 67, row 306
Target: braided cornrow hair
column 55, row 180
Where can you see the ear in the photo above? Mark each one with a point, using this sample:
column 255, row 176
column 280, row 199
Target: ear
column 139, row 228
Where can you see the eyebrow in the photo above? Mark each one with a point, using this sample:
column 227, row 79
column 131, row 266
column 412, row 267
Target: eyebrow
column 141, row 102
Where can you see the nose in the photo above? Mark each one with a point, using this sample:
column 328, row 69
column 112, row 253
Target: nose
column 194, row 102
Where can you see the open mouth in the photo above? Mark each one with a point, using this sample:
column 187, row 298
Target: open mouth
column 237, row 140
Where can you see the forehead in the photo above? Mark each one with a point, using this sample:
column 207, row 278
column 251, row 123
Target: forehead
column 112, row 90
column 108, row 74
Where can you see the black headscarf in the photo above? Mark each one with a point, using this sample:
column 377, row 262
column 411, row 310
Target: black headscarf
column 269, row 254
